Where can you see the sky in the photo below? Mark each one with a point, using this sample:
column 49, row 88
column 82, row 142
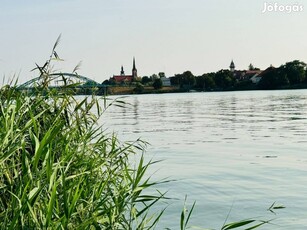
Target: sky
column 170, row 36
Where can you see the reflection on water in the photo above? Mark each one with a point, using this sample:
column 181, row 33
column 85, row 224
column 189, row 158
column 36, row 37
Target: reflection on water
column 246, row 148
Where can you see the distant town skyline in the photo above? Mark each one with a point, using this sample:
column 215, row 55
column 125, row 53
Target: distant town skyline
column 164, row 36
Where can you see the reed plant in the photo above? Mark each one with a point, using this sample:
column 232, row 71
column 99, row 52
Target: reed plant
column 60, row 170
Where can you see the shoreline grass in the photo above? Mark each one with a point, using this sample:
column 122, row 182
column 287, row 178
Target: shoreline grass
column 60, row 170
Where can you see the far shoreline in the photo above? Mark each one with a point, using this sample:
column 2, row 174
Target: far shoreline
column 129, row 90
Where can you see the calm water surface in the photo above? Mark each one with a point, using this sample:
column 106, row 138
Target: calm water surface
column 243, row 150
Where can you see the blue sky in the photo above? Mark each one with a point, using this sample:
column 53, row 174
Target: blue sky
column 168, row 36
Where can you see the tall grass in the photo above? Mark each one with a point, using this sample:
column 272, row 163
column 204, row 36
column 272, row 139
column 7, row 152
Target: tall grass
column 60, row 170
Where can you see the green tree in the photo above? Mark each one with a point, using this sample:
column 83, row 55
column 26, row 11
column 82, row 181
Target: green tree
column 139, row 88
column 224, row 79
column 186, row 80
column 154, row 77
column 175, row 80
column 200, row 82
column 295, row 71
column 157, row 83
column 146, row 80
column 273, row 78
column 161, row 74
column 205, row 81
column 106, row 82
column 251, row 67
column 209, row 81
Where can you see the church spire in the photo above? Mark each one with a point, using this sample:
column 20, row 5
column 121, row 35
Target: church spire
column 134, row 70
column 122, row 72
column 232, row 66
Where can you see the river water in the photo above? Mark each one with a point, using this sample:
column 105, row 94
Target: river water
column 234, row 152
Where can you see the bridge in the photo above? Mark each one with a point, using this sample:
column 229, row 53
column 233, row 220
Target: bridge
column 59, row 80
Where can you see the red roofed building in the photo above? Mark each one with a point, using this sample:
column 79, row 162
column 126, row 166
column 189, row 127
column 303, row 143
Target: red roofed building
column 242, row 75
column 122, row 78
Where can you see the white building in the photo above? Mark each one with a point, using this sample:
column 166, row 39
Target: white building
column 165, row 81
column 256, row 78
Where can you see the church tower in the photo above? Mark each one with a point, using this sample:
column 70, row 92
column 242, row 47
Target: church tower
column 232, row 66
column 122, row 72
column 134, row 70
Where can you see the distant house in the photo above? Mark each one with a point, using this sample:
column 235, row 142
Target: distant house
column 256, row 78
column 122, row 78
column 165, row 81
column 239, row 74
column 253, row 76
column 242, row 75
column 268, row 70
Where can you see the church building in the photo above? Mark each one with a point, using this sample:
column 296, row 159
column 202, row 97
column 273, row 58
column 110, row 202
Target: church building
column 241, row 75
column 123, row 78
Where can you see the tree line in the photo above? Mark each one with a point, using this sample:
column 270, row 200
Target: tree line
column 289, row 75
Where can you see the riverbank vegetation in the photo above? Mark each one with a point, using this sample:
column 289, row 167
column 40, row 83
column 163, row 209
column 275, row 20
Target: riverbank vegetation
column 291, row 75
column 60, row 170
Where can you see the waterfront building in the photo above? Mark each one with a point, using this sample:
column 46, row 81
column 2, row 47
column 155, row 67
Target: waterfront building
column 123, row 78
column 253, row 75
column 165, row 81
